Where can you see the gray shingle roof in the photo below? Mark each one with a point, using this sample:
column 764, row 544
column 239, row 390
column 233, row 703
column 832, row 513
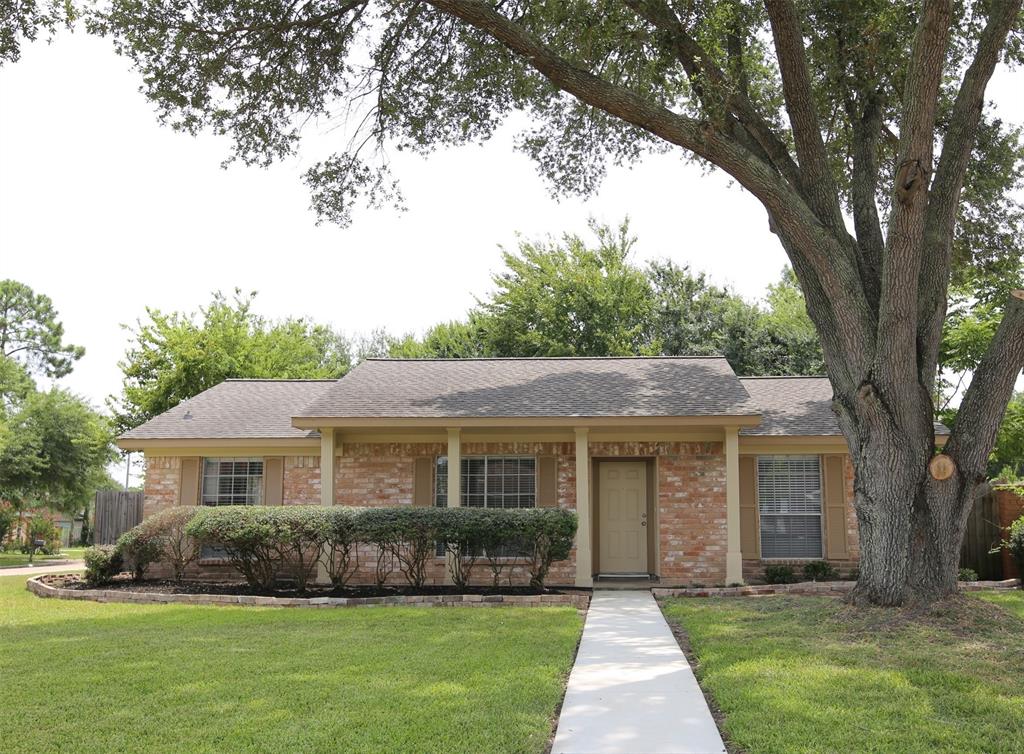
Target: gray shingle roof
column 792, row 406
column 796, row 406
column 236, row 409
column 541, row 387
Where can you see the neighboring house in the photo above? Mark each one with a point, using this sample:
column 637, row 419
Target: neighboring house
column 690, row 474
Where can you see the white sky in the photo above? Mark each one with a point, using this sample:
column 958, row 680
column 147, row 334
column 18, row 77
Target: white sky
column 107, row 212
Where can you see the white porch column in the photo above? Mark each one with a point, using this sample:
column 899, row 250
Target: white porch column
column 454, row 467
column 584, row 558
column 733, row 556
column 327, row 466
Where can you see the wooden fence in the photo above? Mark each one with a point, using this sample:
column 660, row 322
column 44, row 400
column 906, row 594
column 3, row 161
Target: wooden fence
column 116, row 513
column 983, row 533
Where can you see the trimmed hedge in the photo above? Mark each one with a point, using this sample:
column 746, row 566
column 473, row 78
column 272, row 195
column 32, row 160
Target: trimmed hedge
column 263, row 542
column 166, row 530
column 102, row 563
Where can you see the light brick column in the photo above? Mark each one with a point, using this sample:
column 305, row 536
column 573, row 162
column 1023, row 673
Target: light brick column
column 327, row 466
column 734, row 555
column 584, row 558
column 454, row 485
column 326, row 485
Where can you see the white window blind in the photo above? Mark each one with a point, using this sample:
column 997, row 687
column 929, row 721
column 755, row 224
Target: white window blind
column 789, row 502
column 491, row 482
column 232, row 481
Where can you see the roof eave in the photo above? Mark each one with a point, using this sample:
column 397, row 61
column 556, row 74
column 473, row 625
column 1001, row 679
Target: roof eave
column 341, row 422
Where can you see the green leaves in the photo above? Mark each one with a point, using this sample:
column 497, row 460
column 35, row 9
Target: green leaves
column 30, row 333
column 176, row 356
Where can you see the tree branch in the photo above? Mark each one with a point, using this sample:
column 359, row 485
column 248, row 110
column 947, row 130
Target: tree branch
column 814, row 245
column 696, row 63
column 944, row 201
column 897, row 310
column 867, row 130
column 823, row 194
column 981, row 411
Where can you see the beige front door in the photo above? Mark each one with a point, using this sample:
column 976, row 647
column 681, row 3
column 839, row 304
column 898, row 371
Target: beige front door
column 622, row 517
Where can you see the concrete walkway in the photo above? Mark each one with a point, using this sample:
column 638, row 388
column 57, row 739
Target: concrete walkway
column 631, row 689
column 65, row 567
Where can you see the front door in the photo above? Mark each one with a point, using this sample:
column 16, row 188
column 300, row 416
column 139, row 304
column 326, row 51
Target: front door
column 622, row 517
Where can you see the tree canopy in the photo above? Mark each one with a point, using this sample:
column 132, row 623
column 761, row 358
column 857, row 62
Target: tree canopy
column 178, row 355
column 31, row 334
column 874, row 110
column 571, row 297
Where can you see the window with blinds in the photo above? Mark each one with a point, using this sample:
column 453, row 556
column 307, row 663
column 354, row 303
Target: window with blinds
column 789, row 503
column 491, row 482
column 232, row 481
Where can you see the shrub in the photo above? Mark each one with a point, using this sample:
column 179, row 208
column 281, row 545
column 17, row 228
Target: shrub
column 550, row 533
column 7, row 519
column 139, row 549
column 102, row 564
column 376, row 526
column 43, row 529
column 340, row 537
column 779, row 574
column 260, row 540
column 167, row 530
column 967, row 574
column 1015, row 544
column 463, row 531
column 820, row 570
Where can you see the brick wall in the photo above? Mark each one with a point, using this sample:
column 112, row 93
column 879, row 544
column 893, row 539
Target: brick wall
column 301, row 480
column 1010, row 504
column 160, row 490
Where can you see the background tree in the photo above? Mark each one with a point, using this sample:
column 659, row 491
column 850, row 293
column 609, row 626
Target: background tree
column 31, row 334
column 58, row 449
column 876, row 108
column 176, row 356
column 22, row 20
column 565, row 299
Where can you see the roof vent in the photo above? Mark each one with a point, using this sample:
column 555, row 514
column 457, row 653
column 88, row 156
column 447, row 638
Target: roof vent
column 188, row 415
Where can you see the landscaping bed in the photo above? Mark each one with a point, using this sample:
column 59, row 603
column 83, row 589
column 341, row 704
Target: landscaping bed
column 73, row 586
column 806, row 673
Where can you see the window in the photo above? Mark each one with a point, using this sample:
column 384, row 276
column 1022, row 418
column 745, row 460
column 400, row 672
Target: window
column 232, row 481
column 789, row 502
column 491, row 482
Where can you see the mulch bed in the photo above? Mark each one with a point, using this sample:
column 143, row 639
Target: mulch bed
column 161, row 586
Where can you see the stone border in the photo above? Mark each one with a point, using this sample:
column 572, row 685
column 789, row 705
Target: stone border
column 827, row 588
column 38, row 587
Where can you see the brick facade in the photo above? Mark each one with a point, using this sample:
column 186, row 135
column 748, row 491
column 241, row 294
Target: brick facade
column 690, row 502
column 1010, row 503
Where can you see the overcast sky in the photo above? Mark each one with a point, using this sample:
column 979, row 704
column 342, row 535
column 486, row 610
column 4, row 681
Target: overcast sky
column 107, row 213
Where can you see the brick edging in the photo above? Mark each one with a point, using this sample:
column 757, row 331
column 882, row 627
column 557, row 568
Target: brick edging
column 579, row 601
column 827, row 588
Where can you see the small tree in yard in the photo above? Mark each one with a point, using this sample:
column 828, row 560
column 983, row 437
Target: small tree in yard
column 872, row 110
column 1015, row 544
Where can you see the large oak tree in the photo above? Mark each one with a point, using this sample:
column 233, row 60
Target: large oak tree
column 860, row 126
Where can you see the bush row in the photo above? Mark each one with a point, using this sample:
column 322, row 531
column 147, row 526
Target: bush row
column 264, row 543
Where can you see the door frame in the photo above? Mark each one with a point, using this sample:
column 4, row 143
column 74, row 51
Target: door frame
column 653, row 540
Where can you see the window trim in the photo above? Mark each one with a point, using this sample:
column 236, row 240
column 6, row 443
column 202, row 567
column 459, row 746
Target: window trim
column 203, row 476
column 821, row 507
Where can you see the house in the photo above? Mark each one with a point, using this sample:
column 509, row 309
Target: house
column 677, row 468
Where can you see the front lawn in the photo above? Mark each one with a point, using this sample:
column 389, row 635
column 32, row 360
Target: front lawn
column 84, row 676
column 16, row 559
column 1008, row 600
column 804, row 674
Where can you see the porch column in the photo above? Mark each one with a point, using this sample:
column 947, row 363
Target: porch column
column 733, row 555
column 454, row 467
column 584, row 558
column 327, row 466
column 326, row 485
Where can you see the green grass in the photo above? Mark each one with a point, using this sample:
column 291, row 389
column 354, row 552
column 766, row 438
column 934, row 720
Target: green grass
column 802, row 674
column 92, row 677
column 1013, row 601
column 16, row 559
